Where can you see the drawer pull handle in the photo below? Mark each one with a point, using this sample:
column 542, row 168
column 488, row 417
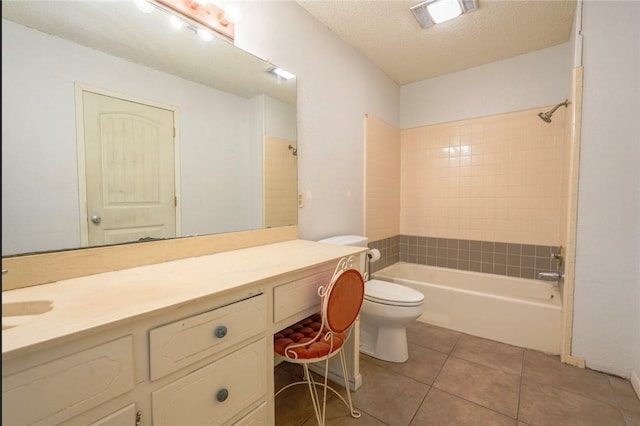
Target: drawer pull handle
column 222, row 395
column 221, row 331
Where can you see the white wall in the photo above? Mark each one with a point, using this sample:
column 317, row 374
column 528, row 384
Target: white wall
column 280, row 119
column 336, row 87
column 527, row 81
column 607, row 287
column 39, row 161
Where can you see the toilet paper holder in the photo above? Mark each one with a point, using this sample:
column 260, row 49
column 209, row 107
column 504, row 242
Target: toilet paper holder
column 372, row 255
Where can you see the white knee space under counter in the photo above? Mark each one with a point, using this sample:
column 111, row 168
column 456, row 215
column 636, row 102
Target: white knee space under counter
column 166, row 344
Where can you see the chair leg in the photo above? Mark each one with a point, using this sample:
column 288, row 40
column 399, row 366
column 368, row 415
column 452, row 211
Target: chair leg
column 354, row 413
column 319, row 407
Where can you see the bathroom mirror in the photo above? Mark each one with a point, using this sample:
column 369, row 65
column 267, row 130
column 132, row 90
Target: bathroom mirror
column 231, row 160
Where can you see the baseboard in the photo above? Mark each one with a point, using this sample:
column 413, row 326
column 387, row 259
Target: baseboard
column 635, row 382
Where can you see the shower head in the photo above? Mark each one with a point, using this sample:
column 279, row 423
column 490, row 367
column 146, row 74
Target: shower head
column 546, row 116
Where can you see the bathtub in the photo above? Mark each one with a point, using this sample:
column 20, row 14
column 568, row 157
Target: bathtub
column 517, row 311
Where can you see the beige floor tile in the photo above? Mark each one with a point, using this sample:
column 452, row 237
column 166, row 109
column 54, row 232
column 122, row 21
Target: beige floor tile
column 432, row 337
column 338, row 414
column 476, row 381
column 632, row 419
column 625, row 396
column 443, row 409
column 489, row 387
column 388, row 396
column 548, row 370
column 423, row 364
column 490, row 353
column 293, row 406
column 543, row 405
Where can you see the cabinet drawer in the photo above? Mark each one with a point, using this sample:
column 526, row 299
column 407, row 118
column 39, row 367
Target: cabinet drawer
column 215, row 393
column 299, row 296
column 58, row 390
column 183, row 342
column 123, row 417
column 258, row 417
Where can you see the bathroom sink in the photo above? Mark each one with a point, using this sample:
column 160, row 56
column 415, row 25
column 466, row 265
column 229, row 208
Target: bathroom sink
column 17, row 313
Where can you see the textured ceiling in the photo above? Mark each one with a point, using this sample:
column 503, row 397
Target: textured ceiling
column 387, row 33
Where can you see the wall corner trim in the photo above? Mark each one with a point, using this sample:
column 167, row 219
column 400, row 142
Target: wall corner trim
column 635, row 382
column 575, row 361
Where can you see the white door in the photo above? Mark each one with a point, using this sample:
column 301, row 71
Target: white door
column 130, row 170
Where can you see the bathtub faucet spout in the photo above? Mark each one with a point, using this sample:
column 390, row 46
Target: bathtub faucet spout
column 549, row 276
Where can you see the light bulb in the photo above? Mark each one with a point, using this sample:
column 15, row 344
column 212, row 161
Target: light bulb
column 233, row 14
column 176, row 22
column 144, row 6
column 444, row 10
column 205, row 35
column 283, row 73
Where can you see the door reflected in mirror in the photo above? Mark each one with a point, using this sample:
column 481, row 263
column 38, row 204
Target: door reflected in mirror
column 226, row 161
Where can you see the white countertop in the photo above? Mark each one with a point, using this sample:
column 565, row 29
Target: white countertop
column 87, row 304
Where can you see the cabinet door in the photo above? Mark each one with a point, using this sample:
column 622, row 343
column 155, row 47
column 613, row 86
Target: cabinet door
column 58, row 390
column 215, row 393
column 258, row 417
column 123, row 417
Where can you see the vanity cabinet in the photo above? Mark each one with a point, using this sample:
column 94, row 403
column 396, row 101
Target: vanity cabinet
column 193, row 344
column 205, row 368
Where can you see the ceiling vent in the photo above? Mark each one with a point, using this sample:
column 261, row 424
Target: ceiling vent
column 433, row 12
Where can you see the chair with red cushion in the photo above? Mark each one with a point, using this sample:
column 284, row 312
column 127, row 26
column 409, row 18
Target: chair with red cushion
column 323, row 335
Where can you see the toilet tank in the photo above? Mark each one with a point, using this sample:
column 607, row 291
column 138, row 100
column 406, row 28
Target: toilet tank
column 350, row 240
column 347, row 240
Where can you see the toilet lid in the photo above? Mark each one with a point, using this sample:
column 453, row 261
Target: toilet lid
column 391, row 294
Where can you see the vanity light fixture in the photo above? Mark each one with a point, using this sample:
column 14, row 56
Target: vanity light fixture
column 281, row 73
column 432, row 12
column 203, row 14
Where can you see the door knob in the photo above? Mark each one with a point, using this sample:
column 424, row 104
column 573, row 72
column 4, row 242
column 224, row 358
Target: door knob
column 96, row 219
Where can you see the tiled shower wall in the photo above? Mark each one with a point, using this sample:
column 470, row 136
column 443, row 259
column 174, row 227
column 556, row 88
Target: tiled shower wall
column 496, row 178
column 484, row 194
column 382, row 179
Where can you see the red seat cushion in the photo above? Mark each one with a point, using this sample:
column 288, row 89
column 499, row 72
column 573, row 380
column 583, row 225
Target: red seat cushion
column 305, row 331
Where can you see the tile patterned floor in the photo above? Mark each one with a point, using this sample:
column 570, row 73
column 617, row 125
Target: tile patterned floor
column 456, row 379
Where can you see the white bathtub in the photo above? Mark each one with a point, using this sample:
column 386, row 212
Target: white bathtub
column 517, row 311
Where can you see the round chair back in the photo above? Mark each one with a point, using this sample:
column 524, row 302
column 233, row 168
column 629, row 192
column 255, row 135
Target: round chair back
column 342, row 302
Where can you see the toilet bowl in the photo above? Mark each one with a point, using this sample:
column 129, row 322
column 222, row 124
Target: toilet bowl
column 387, row 310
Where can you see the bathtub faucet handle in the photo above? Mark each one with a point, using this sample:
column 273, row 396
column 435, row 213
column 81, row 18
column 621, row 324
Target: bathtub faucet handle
column 558, row 255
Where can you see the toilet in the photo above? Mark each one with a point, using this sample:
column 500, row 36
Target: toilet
column 387, row 310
